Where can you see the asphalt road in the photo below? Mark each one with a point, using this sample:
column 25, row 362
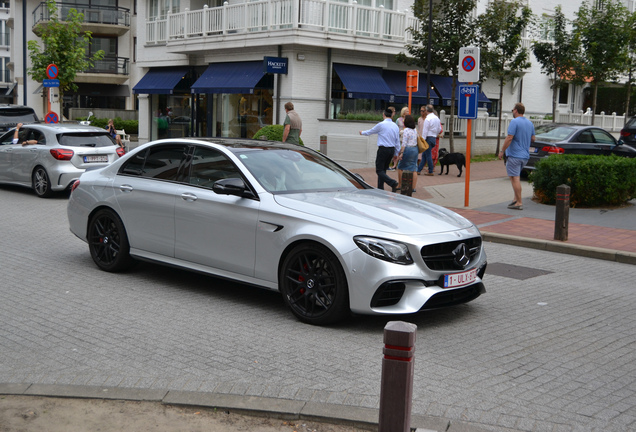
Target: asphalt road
column 550, row 346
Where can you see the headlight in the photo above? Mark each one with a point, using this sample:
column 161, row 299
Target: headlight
column 386, row 250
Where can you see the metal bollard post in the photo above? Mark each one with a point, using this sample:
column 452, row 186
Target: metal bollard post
column 407, row 183
column 323, row 144
column 562, row 215
column 396, row 389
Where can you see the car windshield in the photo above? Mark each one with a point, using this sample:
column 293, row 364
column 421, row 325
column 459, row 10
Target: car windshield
column 631, row 123
column 291, row 171
column 85, row 139
column 553, row 133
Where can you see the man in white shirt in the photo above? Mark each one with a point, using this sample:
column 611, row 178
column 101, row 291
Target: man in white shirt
column 428, row 129
column 388, row 148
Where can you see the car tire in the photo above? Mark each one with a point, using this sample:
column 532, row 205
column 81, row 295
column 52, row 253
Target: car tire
column 314, row 285
column 108, row 242
column 41, row 183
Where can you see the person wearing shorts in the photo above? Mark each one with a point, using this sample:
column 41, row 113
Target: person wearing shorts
column 516, row 147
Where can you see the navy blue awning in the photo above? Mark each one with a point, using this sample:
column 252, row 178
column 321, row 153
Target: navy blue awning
column 397, row 82
column 237, row 77
column 160, row 80
column 444, row 85
column 363, row 82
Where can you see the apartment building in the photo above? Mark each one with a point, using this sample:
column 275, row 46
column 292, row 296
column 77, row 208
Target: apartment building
column 108, row 83
column 226, row 68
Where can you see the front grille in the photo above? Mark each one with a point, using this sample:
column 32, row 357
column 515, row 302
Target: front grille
column 440, row 256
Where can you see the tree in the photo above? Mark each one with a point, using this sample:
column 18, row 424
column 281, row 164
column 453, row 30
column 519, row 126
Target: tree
column 64, row 44
column 555, row 55
column 453, row 28
column 503, row 57
column 601, row 32
column 631, row 58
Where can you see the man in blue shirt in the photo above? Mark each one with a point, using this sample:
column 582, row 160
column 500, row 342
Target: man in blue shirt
column 388, row 148
column 516, row 147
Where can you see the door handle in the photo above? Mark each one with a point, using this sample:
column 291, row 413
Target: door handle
column 190, row 197
column 126, row 188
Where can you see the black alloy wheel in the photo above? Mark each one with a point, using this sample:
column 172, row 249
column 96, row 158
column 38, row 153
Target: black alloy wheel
column 41, row 183
column 314, row 286
column 108, row 242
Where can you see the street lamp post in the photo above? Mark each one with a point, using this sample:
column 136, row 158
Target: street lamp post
column 428, row 55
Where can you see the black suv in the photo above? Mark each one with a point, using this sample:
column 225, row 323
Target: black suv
column 628, row 133
column 11, row 115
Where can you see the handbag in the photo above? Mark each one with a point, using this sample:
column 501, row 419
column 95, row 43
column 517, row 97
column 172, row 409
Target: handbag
column 422, row 145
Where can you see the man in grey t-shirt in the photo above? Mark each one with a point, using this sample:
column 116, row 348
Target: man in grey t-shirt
column 293, row 125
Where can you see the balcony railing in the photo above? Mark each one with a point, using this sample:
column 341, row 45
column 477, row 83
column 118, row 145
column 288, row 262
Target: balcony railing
column 93, row 14
column 110, row 65
column 269, row 15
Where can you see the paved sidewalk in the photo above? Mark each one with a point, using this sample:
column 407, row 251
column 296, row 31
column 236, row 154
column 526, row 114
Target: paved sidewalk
column 605, row 233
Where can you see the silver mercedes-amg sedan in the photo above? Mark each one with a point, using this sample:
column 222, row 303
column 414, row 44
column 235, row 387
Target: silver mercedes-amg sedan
column 279, row 216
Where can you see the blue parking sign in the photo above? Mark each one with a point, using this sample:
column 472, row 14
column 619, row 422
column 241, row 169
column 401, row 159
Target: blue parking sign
column 468, row 98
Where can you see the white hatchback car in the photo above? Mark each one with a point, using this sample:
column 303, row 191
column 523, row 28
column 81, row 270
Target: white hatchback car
column 280, row 216
column 62, row 153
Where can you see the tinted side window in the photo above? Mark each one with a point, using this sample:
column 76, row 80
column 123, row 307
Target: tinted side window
column 602, row 137
column 7, row 138
column 586, row 137
column 209, row 165
column 161, row 162
column 135, row 165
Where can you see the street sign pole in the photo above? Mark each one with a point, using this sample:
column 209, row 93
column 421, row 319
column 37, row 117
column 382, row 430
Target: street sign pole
column 468, row 72
column 412, row 84
column 52, row 82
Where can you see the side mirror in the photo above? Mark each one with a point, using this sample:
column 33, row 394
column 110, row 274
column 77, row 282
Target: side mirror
column 232, row 186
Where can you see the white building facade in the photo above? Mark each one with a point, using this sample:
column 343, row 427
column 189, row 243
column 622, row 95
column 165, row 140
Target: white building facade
column 108, row 84
column 196, row 67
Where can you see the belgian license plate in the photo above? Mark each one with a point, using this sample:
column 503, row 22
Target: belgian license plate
column 535, row 149
column 89, row 159
column 460, row 279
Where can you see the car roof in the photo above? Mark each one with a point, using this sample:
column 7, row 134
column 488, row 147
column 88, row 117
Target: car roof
column 570, row 125
column 65, row 127
column 238, row 144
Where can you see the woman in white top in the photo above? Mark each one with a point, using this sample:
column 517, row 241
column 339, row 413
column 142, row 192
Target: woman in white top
column 408, row 150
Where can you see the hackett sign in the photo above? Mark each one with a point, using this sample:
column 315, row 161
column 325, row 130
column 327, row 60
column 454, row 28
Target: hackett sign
column 276, row 65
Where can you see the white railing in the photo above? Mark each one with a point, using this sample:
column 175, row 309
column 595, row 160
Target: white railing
column 486, row 126
column 267, row 15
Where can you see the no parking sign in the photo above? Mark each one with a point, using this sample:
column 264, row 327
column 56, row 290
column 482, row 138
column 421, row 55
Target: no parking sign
column 468, row 64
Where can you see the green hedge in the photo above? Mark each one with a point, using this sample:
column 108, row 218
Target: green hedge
column 273, row 133
column 130, row 126
column 594, row 180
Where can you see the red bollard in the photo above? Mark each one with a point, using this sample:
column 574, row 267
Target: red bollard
column 398, row 364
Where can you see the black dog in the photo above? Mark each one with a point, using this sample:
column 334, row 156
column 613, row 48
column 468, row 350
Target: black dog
column 447, row 159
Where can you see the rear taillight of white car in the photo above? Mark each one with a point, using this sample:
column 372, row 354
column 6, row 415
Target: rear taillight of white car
column 62, row 154
column 75, row 185
column 121, row 151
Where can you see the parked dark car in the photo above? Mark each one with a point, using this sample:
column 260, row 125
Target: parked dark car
column 559, row 138
column 628, row 133
column 11, row 115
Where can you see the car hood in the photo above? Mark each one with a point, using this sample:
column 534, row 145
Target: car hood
column 373, row 209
